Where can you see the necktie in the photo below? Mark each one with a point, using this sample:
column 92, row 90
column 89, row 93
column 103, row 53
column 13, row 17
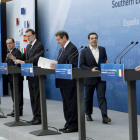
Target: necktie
column 7, row 59
column 62, row 49
column 29, row 49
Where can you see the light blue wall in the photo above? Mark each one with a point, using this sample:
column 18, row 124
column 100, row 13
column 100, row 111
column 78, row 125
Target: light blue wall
column 79, row 18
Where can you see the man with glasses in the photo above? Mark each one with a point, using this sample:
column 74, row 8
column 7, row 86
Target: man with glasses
column 67, row 87
column 33, row 48
column 14, row 51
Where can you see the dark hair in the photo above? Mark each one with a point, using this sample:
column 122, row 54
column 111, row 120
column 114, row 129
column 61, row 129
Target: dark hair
column 62, row 33
column 92, row 34
column 30, row 30
column 12, row 40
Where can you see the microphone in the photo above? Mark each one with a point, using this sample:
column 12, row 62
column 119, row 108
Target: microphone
column 78, row 53
column 74, row 53
column 38, row 54
column 129, row 50
column 122, row 51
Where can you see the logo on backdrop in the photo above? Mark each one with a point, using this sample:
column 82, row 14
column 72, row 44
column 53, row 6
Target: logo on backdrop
column 122, row 3
column 17, row 44
column 132, row 22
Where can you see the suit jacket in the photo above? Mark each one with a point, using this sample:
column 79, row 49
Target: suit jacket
column 88, row 62
column 10, row 62
column 66, row 58
column 36, row 49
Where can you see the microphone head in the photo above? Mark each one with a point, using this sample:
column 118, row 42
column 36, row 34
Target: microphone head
column 137, row 42
column 132, row 42
column 81, row 46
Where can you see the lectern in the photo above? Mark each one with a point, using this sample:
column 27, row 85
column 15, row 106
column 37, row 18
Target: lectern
column 79, row 75
column 42, row 73
column 130, row 76
column 15, row 71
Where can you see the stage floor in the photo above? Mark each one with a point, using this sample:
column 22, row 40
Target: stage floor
column 118, row 129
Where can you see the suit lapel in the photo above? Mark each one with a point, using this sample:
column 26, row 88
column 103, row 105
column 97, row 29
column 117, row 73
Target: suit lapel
column 99, row 53
column 91, row 54
column 13, row 51
column 63, row 53
column 26, row 52
column 32, row 49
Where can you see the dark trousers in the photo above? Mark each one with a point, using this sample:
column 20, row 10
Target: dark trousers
column 69, row 96
column 35, row 98
column 89, row 92
column 20, row 94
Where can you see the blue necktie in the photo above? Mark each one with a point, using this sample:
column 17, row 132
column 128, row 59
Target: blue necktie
column 60, row 53
column 29, row 49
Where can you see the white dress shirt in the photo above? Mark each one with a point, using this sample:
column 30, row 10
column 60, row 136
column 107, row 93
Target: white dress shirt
column 66, row 44
column 33, row 43
column 11, row 50
column 95, row 53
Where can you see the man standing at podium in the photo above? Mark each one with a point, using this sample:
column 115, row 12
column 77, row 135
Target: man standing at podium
column 31, row 56
column 90, row 59
column 67, row 87
column 14, row 51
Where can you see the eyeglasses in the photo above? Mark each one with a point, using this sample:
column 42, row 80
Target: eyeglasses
column 28, row 36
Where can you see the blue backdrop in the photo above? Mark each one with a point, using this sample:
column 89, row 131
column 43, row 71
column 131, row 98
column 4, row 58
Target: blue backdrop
column 1, row 81
column 116, row 23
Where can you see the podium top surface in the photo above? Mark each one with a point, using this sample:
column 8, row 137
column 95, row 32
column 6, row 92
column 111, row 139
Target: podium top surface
column 129, row 74
column 41, row 71
column 13, row 70
column 76, row 73
column 79, row 73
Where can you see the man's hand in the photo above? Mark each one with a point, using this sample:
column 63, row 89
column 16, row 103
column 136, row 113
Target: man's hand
column 137, row 68
column 9, row 55
column 18, row 62
column 107, row 62
column 95, row 69
column 52, row 66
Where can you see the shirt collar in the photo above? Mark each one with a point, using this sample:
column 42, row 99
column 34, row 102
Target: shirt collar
column 11, row 50
column 66, row 44
column 93, row 48
column 33, row 42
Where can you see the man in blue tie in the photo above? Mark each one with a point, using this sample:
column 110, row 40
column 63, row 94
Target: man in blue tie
column 68, row 88
column 33, row 48
column 90, row 59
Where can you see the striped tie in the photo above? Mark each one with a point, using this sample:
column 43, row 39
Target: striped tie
column 62, row 49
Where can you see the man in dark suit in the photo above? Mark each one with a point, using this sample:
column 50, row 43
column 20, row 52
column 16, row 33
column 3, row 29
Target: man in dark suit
column 90, row 59
column 33, row 48
column 67, row 87
column 14, row 51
